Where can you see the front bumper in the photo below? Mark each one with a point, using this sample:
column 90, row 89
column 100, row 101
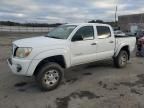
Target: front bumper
column 19, row 66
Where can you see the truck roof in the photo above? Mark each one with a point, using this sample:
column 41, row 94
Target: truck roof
column 78, row 24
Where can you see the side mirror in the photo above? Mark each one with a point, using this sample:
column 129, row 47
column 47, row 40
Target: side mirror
column 77, row 38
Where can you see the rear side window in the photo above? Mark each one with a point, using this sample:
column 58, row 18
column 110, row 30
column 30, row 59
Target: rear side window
column 103, row 32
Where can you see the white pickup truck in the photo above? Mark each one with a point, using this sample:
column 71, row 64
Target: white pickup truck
column 68, row 45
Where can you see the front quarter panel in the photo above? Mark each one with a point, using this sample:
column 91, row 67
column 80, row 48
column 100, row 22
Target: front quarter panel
column 45, row 54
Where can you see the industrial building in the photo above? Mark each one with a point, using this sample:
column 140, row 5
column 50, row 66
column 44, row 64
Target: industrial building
column 131, row 23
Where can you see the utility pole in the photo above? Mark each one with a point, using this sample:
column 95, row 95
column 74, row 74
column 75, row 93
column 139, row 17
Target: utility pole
column 116, row 8
column 116, row 14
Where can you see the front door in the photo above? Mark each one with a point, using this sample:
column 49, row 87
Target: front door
column 83, row 46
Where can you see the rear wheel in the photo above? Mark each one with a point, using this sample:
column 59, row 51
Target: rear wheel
column 121, row 60
column 49, row 76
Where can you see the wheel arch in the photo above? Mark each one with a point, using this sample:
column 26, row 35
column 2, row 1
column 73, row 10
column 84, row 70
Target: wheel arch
column 61, row 54
column 125, row 48
column 59, row 59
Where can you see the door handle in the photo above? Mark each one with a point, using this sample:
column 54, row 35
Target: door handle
column 111, row 41
column 93, row 44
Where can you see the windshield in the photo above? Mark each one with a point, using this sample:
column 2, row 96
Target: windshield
column 61, row 32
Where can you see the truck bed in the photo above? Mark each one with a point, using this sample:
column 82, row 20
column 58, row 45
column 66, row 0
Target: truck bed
column 126, row 40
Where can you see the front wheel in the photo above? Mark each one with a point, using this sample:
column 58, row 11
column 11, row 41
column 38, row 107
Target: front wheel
column 49, row 76
column 121, row 60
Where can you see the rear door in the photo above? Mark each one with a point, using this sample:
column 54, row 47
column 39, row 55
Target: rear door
column 106, row 43
column 83, row 46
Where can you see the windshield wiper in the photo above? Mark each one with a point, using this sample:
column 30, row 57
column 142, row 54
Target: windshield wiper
column 53, row 37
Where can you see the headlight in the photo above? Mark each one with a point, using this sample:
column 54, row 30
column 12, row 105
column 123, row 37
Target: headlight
column 22, row 52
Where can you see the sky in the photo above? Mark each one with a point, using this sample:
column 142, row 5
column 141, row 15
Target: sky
column 66, row 11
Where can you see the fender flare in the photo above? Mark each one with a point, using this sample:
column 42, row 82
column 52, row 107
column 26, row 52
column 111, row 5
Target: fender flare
column 119, row 49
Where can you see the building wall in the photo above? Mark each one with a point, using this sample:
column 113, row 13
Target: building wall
column 126, row 21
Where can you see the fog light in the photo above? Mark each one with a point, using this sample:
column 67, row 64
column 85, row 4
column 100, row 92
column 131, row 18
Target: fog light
column 19, row 68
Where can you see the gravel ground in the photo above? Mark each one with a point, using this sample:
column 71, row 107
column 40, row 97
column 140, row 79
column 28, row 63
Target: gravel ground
column 94, row 85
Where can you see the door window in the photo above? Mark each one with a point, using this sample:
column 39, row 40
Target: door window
column 103, row 32
column 84, row 33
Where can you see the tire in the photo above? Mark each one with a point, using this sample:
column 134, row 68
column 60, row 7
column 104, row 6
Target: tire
column 121, row 60
column 49, row 76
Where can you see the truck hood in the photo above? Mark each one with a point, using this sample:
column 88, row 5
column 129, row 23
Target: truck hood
column 41, row 41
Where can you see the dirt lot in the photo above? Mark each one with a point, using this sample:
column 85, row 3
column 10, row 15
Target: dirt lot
column 95, row 85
